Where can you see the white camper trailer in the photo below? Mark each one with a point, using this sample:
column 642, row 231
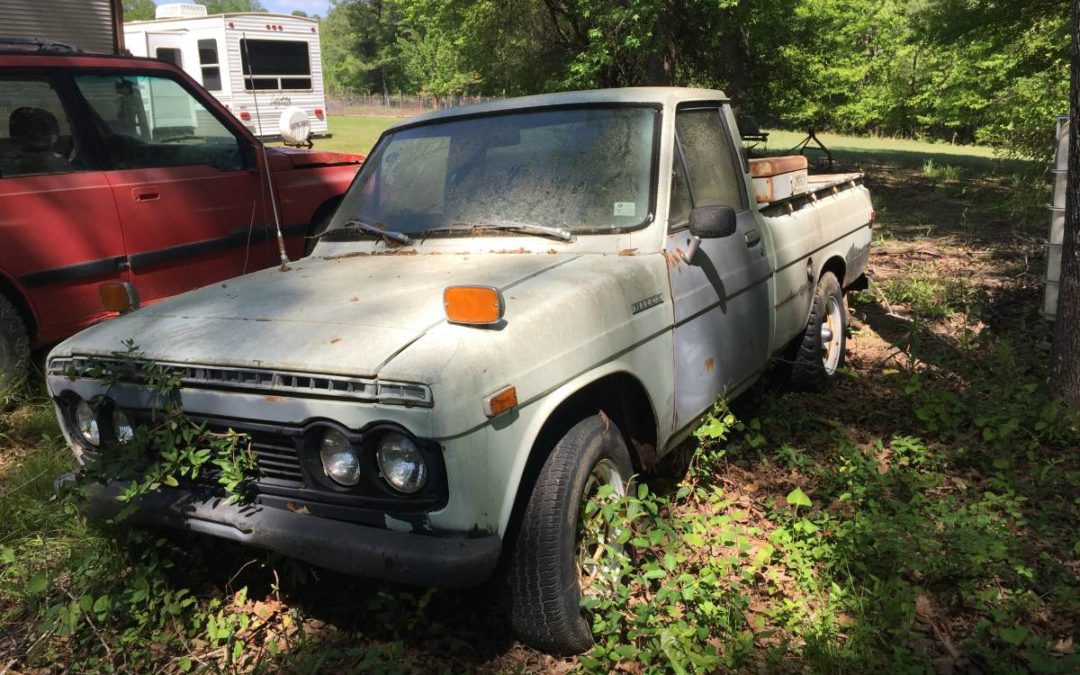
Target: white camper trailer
column 257, row 64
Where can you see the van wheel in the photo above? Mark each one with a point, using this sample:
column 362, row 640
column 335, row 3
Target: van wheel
column 821, row 351
column 560, row 550
column 14, row 345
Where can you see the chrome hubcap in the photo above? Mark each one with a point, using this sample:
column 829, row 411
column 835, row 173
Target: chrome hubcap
column 831, row 348
column 597, row 535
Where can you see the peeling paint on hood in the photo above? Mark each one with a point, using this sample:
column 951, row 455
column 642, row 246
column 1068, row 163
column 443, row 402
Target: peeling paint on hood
column 344, row 315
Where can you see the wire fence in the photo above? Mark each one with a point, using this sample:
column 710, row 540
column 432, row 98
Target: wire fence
column 396, row 105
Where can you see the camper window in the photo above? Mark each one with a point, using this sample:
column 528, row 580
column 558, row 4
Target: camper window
column 170, row 54
column 208, row 60
column 272, row 65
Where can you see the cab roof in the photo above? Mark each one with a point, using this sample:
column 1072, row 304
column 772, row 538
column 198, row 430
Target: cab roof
column 659, row 96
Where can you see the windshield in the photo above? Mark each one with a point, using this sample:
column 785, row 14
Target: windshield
column 581, row 170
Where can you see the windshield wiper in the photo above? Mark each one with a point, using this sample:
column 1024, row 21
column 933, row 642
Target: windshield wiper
column 368, row 228
column 506, row 226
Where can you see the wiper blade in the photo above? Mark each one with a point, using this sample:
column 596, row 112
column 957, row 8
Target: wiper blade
column 507, row 226
column 398, row 237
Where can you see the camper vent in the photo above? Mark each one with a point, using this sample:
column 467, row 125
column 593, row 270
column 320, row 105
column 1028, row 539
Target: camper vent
column 180, row 10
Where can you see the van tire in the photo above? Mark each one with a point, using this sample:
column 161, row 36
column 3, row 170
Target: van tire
column 543, row 575
column 817, row 361
column 14, row 345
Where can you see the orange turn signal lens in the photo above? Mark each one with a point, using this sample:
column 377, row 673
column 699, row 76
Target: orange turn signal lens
column 117, row 296
column 500, row 401
column 473, row 305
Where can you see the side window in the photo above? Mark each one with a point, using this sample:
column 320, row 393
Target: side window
column 170, row 54
column 713, row 171
column 152, row 121
column 208, row 61
column 35, row 134
column 679, row 209
column 275, row 65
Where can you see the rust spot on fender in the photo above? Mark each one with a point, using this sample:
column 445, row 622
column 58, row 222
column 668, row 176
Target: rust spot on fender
column 672, row 259
column 628, row 251
column 334, row 341
column 275, row 399
column 515, row 250
column 709, row 363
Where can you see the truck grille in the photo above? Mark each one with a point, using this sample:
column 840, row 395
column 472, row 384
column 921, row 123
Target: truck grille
column 276, row 453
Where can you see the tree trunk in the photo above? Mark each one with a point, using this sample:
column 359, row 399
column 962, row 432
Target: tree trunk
column 660, row 63
column 1065, row 355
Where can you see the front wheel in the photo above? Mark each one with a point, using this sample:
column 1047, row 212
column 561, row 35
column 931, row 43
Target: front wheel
column 821, row 350
column 559, row 553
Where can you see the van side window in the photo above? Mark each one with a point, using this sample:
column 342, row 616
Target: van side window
column 208, row 62
column 152, row 121
column 713, row 170
column 35, row 134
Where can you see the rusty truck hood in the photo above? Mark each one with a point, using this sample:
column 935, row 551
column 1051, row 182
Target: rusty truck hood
column 339, row 315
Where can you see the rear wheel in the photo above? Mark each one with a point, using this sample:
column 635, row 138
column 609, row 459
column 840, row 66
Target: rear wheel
column 14, row 345
column 821, row 351
column 563, row 548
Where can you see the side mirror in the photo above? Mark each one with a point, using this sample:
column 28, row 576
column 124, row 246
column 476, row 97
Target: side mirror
column 712, row 222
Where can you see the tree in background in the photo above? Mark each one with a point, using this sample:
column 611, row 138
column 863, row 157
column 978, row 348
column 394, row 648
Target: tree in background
column 1065, row 354
column 988, row 71
column 139, row 10
column 231, row 6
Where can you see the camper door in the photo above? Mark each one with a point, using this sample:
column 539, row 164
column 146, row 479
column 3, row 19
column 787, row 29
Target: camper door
column 170, row 111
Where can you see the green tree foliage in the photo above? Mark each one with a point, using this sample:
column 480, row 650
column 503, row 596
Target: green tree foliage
column 987, row 71
column 229, row 6
column 139, row 10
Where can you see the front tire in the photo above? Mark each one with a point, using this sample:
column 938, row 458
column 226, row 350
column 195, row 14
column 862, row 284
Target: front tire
column 821, row 350
column 14, row 345
column 549, row 563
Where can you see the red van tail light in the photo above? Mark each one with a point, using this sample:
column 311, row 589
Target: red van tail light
column 319, row 113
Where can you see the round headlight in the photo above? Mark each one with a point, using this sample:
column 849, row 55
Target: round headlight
column 87, row 424
column 401, row 462
column 121, row 425
column 339, row 460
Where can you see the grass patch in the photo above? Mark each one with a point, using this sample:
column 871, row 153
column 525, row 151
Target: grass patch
column 354, row 134
column 920, row 517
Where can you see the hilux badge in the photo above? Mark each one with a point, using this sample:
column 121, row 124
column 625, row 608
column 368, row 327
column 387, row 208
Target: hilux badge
column 651, row 301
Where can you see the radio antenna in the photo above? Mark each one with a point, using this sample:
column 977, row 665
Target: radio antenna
column 265, row 159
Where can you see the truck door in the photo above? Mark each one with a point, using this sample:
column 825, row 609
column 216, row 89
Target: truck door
column 721, row 298
column 58, row 223
column 188, row 195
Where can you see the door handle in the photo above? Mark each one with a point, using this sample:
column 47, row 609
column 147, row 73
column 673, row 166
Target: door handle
column 145, row 194
column 753, row 238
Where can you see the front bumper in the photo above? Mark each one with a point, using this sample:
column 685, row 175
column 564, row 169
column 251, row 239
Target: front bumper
column 403, row 557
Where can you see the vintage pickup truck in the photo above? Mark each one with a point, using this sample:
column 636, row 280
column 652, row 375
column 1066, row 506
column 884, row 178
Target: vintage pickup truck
column 516, row 304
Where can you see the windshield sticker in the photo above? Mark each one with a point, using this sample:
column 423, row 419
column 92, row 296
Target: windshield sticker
column 624, row 209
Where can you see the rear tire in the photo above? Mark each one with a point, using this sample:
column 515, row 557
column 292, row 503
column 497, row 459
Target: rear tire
column 821, row 350
column 545, row 575
column 14, row 345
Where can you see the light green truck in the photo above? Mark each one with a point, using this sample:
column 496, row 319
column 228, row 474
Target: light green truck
column 515, row 304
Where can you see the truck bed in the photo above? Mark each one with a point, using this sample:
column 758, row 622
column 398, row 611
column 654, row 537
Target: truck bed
column 830, row 183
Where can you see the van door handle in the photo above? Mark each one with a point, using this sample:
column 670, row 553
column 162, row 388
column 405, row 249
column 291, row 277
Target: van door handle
column 145, row 194
column 753, row 238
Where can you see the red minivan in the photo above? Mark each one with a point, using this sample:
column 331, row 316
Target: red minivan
column 121, row 169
